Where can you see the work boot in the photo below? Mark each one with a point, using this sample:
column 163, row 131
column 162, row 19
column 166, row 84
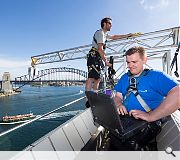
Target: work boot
column 87, row 104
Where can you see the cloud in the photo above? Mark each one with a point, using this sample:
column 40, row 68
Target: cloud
column 14, row 67
column 154, row 4
column 160, row 14
column 4, row 63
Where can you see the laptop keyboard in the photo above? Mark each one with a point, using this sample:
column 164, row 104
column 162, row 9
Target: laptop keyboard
column 127, row 121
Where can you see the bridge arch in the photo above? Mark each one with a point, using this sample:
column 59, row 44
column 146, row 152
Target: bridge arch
column 62, row 69
column 32, row 77
column 41, row 73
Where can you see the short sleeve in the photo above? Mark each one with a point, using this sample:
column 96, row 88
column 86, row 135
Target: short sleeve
column 100, row 37
column 164, row 83
column 122, row 84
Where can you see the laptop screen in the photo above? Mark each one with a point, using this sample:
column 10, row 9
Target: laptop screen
column 104, row 111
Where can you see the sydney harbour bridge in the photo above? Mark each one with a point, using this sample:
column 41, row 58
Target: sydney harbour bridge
column 51, row 76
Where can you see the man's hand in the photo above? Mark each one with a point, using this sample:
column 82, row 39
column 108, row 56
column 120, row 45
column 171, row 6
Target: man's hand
column 133, row 34
column 118, row 101
column 141, row 115
column 137, row 34
column 122, row 110
column 108, row 64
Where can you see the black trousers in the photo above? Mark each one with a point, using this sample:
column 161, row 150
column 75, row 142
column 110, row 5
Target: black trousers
column 143, row 139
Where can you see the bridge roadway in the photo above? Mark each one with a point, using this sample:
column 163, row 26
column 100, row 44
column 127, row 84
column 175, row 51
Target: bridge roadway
column 51, row 81
column 45, row 81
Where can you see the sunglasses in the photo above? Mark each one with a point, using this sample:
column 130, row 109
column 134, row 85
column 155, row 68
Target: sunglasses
column 109, row 23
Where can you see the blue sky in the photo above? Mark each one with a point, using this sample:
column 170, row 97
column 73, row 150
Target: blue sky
column 33, row 27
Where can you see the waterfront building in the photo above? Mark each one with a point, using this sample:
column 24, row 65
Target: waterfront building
column 6, row 84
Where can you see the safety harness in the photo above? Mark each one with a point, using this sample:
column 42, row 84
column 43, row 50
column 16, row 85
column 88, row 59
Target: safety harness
column 95, row 57
column 104, row 45
column 133, row 89
column 95, row 60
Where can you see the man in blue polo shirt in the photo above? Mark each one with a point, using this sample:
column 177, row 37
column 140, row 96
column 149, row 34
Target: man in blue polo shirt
column 145, row 94
column 153, row 86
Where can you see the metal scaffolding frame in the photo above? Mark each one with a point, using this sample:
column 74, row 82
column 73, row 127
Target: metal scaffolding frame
column 159, row 44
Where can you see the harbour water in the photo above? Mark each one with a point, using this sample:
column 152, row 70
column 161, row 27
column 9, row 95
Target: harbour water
column 38, row 100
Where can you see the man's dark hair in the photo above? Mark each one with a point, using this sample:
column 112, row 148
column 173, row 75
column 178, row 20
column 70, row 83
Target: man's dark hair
column 105, row 20
column 137, row 49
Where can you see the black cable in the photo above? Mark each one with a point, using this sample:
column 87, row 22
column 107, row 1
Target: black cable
column 111, row 72
column 174, row 61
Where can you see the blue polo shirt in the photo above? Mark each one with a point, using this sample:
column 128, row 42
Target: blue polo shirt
column 152, row 87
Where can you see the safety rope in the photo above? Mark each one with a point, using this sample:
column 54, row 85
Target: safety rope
column 39, row 117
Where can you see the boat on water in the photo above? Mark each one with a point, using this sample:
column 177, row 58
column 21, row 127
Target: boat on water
column 15, row 119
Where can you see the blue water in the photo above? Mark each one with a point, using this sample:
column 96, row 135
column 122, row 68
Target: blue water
column 38, row 100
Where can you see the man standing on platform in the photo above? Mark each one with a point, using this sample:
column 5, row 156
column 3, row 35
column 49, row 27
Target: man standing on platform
column 97, row 57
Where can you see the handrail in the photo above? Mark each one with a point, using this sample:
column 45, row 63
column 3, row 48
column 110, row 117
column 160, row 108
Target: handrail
column 39, row 117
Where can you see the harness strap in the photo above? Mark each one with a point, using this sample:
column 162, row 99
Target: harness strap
column 133, row 89
column 93, row 49
column 95, row 68
column 104, row 46
column 94, row 39
column 93, row 52
column 141, row 101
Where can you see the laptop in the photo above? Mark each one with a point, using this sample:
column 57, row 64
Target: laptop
column 105, row 114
